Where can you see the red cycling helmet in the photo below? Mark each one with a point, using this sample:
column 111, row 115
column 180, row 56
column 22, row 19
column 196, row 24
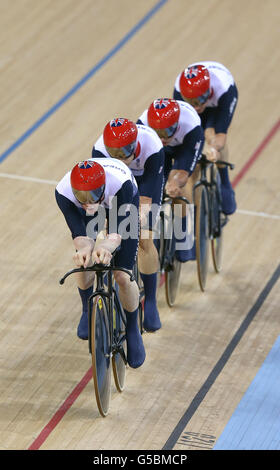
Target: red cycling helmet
column 195, row 83
column 163, row 116
column 88, row 181
column 120, row 136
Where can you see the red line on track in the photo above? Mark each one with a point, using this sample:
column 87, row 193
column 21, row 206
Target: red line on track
column 256, row 153
column 57, row 417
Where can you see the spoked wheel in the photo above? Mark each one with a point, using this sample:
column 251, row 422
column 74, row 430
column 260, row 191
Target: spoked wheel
column 120, row 353
column 101, row 354
column 202, row 235
column 218, row 221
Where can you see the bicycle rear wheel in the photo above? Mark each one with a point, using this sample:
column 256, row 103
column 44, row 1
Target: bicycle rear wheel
column 101, row 354
column 202, row 235
column 217, row 226
column 172, row 282
column 120, row 347
column 172, row 274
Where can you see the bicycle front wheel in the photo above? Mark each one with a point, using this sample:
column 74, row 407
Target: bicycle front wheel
column 120, row 347
column 202, row 235
column 101, row 354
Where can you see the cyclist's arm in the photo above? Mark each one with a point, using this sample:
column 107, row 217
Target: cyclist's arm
column 96, row 153
column 152, row 179
column 125, row 208
column 72, row 216
column 177, row 95
column 104, row 247
column 151, row 186
column 225, row 110
column 214, row 142
column 217, row 135
column 190, row 151
column 82, row 243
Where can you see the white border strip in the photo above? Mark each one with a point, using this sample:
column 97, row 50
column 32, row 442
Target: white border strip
column 54, row 183
column 28, row 178
column 258, row 214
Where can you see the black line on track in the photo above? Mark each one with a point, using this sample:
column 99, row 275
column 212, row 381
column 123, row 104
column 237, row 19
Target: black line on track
column 199, row 397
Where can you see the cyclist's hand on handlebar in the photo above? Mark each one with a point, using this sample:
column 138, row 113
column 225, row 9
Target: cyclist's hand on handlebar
column 211, row 154
column 82, row 257
column 84, row 247
column 172, row 189
column 101, row 255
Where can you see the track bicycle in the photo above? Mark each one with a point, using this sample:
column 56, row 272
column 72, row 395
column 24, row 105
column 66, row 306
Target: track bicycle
column 209, row 218
column 107, row 333
column 169, row 266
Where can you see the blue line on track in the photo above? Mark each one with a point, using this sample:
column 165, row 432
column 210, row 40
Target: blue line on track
column 83, row 80
column 218, row 368
column 255, row 423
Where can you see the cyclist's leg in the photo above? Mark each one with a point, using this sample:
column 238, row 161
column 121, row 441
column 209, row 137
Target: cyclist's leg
column 148, row 257
column 183, row 219
column 85, row 289
column 216, row 130
column 175, row 186
column 129, row 297
column 148, row 267
column 85, row 285
column 228, row 194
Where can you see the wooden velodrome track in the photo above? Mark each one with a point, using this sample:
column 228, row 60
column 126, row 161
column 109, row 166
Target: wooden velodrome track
column 67, row 67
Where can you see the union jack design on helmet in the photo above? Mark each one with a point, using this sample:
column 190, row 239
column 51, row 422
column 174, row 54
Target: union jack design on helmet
column 192, row 72
column 161, row 103
column 117, row 122
column 86, row 164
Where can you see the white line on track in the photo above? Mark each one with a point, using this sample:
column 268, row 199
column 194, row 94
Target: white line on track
column 28, row 178
column 258, row 214
column 54, row 183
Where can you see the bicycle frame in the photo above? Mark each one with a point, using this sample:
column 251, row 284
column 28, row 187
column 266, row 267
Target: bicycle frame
column 210, row 186
column 108, row 293
column 169, row 245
